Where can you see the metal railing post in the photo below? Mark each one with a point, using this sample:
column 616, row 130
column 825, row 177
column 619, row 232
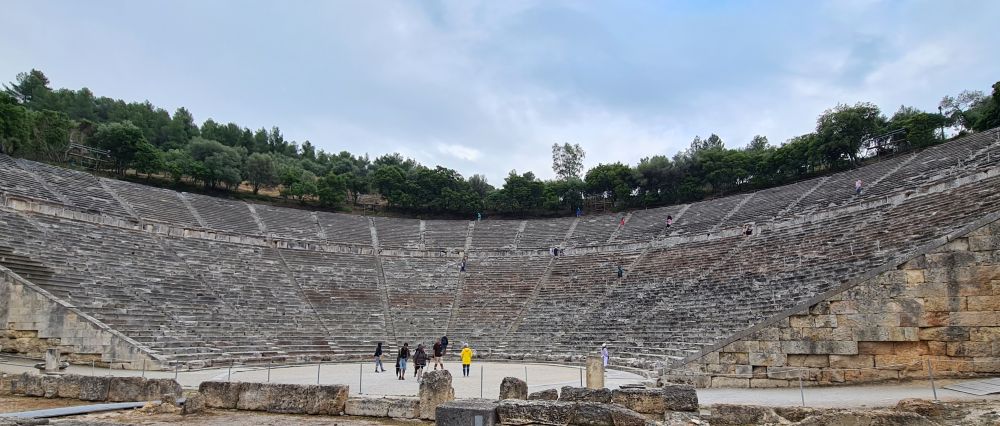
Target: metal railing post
column 802, row 392
column 319, row 366
column 144, row 368
column 269, row 371
column 361, row 371
column 176, row 367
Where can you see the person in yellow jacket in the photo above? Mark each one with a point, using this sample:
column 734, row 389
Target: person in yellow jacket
column 466, row 359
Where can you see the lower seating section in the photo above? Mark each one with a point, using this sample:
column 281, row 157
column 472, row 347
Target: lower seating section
column 16, row 181
column 574, row 287
column 495, row 233
column 494, row 292
column 343, row 288
column 345, row 228
column 222, row 214
column 160, row 205
column 254, row 282
column 544, row 233
column 288, row 223
column 393, row 232
column 445, row 233
column 421, row 293
column 80, row 189
column 595, row 230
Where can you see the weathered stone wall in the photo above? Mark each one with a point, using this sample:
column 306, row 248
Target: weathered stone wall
column 32, row 320
column 942, row 307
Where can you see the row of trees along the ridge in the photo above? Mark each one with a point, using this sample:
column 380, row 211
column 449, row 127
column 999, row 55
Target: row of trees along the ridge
column 39, row 123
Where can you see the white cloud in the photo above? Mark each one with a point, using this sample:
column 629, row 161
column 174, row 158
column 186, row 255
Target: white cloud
column 459, row 151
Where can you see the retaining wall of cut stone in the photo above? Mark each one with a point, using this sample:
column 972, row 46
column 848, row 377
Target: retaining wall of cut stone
column 941, row 307
column 33, row 320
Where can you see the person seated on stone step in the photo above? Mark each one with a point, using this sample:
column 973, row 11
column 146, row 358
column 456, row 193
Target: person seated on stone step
column 748, row 229
column 621, row 271
column 670, row 220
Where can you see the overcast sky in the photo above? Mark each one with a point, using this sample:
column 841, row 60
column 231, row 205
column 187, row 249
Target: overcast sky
column 488, row 87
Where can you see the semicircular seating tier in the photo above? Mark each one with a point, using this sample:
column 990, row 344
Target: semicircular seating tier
column 201, row 280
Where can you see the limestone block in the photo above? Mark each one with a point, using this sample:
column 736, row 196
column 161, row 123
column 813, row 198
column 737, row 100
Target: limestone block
column 94, row 388
column 435, row 388
column 866, row 417
column 575, row 394
column 647, row 401
column 733, row 358
column 767, row 359
column 194, row 404
column 598, row 414
column 807, row 347
column 595, row 372
column 730, row 382
column 481, row 412
column 852, row 361
column 870, row 375
column 69, row 386
column 910, row 348
column 6, row 384
column 329, row 400
column 544, row 395
column 404, row 408
column 974, row 349
column 814, row 360
column 220, row 394
column 944, row 334
column 367, row 407
column 513, row 388
column 984, row 334
column 728, row 414
column 898, row 362
column 521, row 412
column 126, row 389
column 800, row 321
column 943, row 304
column 914, row 276
column 154, row 388
column 769, row 383
column 983, row 303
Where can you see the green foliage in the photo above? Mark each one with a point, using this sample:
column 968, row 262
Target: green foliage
column 613, row 180
column 123, row 140
column 990, row 117
column 260, row 171
column 39, row 122
column 567, row 160
column 332, row 190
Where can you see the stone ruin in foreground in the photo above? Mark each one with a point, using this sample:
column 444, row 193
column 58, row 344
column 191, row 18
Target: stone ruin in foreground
column 830, row 288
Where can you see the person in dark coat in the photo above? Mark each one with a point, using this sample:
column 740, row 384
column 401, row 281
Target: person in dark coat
column 378, row 358
column 419, row 362
column 438, row 353
column 404, row 354
column 444, row 345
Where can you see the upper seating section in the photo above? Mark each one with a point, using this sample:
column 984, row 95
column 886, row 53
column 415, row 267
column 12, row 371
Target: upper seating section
column 149, row 203
column 288, row 223
column 544, row 233
column 223, row 214
column 80, row 189
column 345, row 228
column 445, row 233
column 17, row 181
column 495, row 233
column 395, row 232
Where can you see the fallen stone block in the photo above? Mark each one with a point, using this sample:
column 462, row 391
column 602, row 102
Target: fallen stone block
column 329, row 400
column 600, row 414
column 730, row 414
column 478, row 412
column 646, row 401
column 521, row 412
column 866, row 417
column 220, row 394
column 680, row 397
column 513, row 388
column 94, row 388
column 252, row 397
column 127, row 389
column 155, row 388
column 544, row 395
column 367, row 407
column 6, row 384
column 40, row 386
column 435, row 389
column 69, row 386
column 574, row 394
column 193, row 404
column 404, row 408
